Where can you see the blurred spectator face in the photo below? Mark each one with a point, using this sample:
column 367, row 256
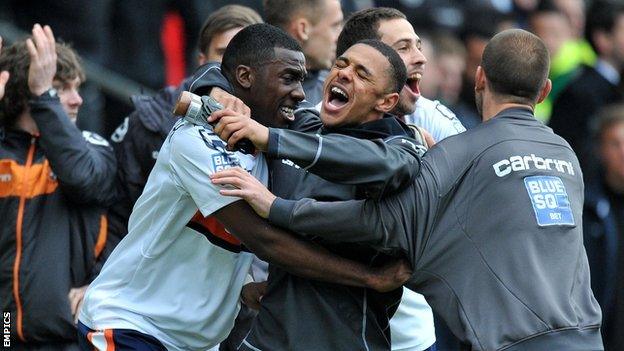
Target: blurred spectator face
column 277, row 89
column 399, row 34
column 553, row 28
column 612, row 151
column 526, row 5
column 69, row 96
column 474, row 51
column 217, row 46
column 320, row 46
column 575, row 12
column 617, row 38
column 451, row 68
column 354, row 87
column 430, row 81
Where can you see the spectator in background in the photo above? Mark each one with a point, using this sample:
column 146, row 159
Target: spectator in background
column 315, row 24
column 567, row 50
column 430, row 81
column 592, row 86
column 603, row 222
column 55, row 182
column 139, row 138
column 451, row 64
column 476, row 33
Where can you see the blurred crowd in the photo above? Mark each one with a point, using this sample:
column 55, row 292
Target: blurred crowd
column 159, row 43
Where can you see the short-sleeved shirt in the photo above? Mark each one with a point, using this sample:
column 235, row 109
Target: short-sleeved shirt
column 178, row 273
column 436, row 118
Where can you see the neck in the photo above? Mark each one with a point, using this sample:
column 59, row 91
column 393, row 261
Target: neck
column 26, row 123
column 492, row 106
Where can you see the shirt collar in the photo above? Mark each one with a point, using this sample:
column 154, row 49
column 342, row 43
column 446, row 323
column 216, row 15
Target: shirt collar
column 607, row 71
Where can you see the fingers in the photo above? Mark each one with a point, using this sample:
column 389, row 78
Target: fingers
column 32, row 50
column 236, row 172
column 4, row 78
column 48, row 32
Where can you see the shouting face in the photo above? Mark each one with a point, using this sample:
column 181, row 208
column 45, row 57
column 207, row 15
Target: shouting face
column 356, row 88
column 399, row 34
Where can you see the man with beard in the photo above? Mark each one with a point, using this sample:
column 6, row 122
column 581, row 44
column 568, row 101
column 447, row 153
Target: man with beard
column 492, row 223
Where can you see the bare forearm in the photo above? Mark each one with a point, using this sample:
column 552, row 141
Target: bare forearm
column 293, row 254
column 306, row 259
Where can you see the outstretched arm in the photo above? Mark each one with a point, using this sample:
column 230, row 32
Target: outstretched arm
column 382, row 166
column 378, row 223
column 304, row 258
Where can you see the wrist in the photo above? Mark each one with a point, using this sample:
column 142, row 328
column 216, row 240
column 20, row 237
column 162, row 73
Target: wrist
column 261, row 140
column 48, row 91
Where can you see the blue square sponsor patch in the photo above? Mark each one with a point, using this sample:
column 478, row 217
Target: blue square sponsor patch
column 550, row 200
column 223, row 161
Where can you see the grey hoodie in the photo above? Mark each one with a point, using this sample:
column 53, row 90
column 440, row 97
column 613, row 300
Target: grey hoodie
column 493, row 228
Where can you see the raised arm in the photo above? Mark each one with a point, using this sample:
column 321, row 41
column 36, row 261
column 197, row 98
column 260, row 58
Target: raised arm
column 83, row 162
column 304, row 258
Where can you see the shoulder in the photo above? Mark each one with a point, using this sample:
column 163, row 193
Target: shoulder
column 436, row 118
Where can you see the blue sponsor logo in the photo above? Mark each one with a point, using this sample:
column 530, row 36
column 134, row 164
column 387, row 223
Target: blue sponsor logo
column 223, row 161
column 550, row 200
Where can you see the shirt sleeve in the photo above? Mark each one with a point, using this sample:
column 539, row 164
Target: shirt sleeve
column 84, row 162
column 380, row 167
column 400, row 222
column 194, row 157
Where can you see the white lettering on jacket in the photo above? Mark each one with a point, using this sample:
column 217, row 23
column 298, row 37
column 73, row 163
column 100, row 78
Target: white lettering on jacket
column 522, row 163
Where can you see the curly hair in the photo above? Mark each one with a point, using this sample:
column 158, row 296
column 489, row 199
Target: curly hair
column 16, row 60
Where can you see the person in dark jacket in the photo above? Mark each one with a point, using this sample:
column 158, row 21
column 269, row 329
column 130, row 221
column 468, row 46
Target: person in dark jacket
column 492, row 224
column 137, row 140
column 603, row 224
column 362, row 87
column 593, row 86
column 55, row 182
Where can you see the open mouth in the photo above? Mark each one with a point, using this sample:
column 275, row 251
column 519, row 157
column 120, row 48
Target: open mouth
column 413, row 83
column 288, row 112
column 338, row 97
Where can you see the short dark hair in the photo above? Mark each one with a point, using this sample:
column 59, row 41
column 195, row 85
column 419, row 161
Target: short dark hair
column 255, row 45
column 516, row 65
column 16, row 60
column 602, row 16
column 280, row 12
column 396, row 69
column 364, row 24
column 226, row 18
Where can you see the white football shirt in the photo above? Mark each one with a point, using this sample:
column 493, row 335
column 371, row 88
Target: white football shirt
column 178, row 274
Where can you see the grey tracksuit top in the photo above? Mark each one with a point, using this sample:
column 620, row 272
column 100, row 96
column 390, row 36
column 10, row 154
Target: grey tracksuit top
column 492, row 227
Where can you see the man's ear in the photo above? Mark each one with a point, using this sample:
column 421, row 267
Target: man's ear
column 244, row 76
column 300, row 29
column 480, row 79
column 545, row 91
column 387, row 102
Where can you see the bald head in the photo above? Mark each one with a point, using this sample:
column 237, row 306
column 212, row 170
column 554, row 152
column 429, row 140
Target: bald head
column 516, row 64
